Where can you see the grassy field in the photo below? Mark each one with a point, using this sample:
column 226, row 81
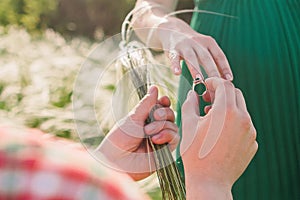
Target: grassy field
column 37, row 76
column 36, row 79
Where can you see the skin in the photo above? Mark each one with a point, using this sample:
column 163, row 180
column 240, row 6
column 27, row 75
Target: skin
column 212, row 176
column 174, row 35
column 125, row 145
column 208, row 177
column 227, row 156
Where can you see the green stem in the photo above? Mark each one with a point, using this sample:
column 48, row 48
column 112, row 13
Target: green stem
column 171, row 185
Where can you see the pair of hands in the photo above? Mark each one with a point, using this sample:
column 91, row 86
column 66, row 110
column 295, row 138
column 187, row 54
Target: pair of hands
column 216, row 148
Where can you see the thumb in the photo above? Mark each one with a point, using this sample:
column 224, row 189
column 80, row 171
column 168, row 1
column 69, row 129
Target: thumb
column 190, row 120
column 191, row 105
column 142, row 110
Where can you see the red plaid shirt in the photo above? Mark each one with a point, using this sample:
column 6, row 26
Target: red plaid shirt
column 35, row 165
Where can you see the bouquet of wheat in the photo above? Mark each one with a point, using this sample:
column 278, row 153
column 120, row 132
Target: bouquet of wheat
column 137, row 60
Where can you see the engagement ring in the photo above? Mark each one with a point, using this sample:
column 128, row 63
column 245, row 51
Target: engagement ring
column 199, row 86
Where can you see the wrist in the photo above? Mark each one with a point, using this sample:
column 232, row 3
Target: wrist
column 199, row 188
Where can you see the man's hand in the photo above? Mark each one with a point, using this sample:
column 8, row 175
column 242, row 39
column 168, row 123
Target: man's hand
column 216, row 148
column 125, row 146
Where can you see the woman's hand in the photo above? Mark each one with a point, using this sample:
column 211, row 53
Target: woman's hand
column 125, row 146
column 179, row 40
column 216, row 148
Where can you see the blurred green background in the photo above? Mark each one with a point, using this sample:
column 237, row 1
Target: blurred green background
column 88, row 18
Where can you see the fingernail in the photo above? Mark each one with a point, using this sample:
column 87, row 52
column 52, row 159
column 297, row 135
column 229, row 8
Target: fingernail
column 160, row 113
column 228, row 77
column 176, row 70
column 151, row 90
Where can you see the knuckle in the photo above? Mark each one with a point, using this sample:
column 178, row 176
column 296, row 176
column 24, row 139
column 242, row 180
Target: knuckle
column 253, row 134
column 228, row 84
column 205, row 58
column 195, row 36
column 210, row 39
column 255, row 147
column 246, row 122
column 213, row 73
column 211, row 70
column 220, row 57
column 188, row 54
column 238, row 91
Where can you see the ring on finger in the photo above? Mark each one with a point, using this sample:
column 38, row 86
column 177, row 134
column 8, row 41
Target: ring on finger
column 198, row 81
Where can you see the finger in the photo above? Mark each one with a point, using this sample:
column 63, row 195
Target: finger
column 192, row 63
column 211, row 85
column 142, row 110
column 221, row 61
column 161, row 114
column 207, row 109
column 164, row 101
column 207, row 61
column 175, row 65
column 224, row 93
column 190, row 107
column 240, row 101
column 157, row 126
column 190, row 120
column 174, row 58
column 208, row 96
column 166, row 136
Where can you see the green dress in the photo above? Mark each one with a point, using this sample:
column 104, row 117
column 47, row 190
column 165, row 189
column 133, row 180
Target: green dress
column 262, row 44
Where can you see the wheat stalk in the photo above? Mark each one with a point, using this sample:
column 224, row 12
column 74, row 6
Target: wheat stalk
column 136, row 60
column 136, row 56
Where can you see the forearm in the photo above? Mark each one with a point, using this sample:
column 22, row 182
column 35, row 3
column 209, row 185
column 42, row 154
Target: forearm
column 148, row 15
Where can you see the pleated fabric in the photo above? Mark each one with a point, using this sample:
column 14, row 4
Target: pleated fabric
column 262, row 43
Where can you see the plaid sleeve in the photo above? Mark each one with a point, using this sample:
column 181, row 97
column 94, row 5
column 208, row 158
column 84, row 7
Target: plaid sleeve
column 35, row 165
